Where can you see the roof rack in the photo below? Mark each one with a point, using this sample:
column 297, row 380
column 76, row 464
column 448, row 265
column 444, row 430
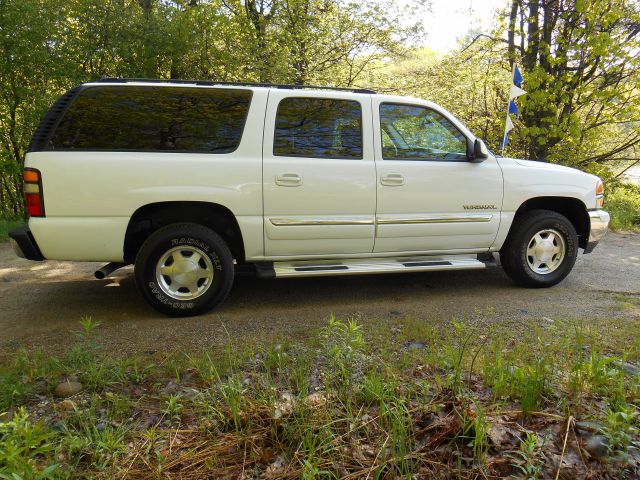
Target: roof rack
column 240, row 84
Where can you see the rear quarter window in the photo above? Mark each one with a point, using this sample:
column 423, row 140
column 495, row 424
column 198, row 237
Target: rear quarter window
column 152, row 118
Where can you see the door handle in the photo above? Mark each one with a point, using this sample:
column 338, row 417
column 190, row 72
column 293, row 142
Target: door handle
column 288, row 179
column 392, row 179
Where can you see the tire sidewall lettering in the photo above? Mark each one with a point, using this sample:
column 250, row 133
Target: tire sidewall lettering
column 192, row 242
column 162, row 298
column 205, row 247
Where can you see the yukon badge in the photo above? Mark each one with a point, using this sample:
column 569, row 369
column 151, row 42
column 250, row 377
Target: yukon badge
column 479, row 207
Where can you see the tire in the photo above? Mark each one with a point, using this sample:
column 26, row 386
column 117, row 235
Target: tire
column 540, row 250
column 199, row 284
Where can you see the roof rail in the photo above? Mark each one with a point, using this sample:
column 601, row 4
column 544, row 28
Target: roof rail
column 241, row 84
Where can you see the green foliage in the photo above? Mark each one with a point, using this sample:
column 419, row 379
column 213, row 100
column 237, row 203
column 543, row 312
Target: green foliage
column 621, row 428
column 529, row 461
column 343, row 344
column 47, row 46
column 22, row 446
column 7, row 224
column 390, row 422
column 623, row 203
column 173, row 408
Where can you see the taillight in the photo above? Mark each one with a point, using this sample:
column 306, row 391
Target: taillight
column 600, row 194
column 33, row 192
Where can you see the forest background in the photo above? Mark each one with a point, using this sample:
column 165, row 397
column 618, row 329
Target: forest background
column 580, row 60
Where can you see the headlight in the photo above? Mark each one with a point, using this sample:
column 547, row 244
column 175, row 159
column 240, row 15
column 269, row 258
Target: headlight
column 600, row 194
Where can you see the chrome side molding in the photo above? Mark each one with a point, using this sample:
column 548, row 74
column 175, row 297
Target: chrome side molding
column 297, row 222
column 459, row 218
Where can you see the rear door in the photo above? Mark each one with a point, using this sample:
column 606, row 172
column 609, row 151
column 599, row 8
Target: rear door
column 319, row 174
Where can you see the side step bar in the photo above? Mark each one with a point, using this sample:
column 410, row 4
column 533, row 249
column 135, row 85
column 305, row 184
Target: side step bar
column 355, row 266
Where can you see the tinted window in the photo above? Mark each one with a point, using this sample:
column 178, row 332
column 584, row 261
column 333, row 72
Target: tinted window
column 419, row 133
column 154, row 118
column 318, row 128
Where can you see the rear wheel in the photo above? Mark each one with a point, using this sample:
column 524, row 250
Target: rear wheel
column 541, row 249
column 184, row 269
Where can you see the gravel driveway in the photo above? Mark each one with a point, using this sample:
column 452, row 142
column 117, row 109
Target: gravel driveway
column 42, row 302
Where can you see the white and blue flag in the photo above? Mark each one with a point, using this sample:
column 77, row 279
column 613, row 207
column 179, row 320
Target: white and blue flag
column 514, row 92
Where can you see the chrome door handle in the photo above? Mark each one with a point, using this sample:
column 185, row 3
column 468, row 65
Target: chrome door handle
column 392, row 179
column 288, row 179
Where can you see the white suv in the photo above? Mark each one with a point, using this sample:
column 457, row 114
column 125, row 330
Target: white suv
column 193, row 181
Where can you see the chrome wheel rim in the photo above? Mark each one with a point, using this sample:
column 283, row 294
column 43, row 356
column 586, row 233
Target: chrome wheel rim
column 184, row 273
column 545, row 251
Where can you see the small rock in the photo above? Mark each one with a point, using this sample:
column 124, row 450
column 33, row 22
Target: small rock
column 630, row 369
column 503, row 436
column 73, row 378
column 597, row 446
column 284, row 407
column 100, row 426
column 150, row 421
column 188, row 378
column 276, row 466
column 584, row 428
column 67, row 389
column 67, row 405
column 415, row 346
column 170, row 388
column 316, row 399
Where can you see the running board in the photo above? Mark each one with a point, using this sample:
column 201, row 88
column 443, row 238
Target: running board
column 356, row 266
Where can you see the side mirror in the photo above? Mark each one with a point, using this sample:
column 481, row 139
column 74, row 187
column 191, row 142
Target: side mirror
column 480, row 152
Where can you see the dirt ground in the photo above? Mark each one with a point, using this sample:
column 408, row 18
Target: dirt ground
column 41, row 303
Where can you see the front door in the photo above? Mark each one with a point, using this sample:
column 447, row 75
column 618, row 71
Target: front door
column 430, row 196
column 319, row 174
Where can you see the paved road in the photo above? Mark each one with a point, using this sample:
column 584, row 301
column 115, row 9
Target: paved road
column 41, row 303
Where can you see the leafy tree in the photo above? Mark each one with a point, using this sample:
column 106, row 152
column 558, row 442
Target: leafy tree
column 582, row 77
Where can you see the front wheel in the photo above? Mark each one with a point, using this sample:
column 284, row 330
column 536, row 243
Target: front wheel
column 540, row 250
column 184, row 269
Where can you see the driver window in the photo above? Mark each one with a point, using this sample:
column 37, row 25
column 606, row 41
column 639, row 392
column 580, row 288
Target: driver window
column 418, row 133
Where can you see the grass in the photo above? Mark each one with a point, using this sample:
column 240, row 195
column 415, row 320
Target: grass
column 8, row 224
column 623, row 203
column 458, row 399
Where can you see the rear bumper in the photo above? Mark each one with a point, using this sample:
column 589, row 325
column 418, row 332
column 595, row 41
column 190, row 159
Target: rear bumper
column 23, row 243
column 599, row 220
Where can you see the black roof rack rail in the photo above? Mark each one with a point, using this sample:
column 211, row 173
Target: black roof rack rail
column 240, row 84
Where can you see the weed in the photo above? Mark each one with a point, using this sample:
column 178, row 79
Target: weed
column 310, row 471
column 620, row 429
column 396, row 420
column 529, row 462
column 233, row 395
column 343, row 344
column 173, row 408
column 475, row 431
column 23, row 447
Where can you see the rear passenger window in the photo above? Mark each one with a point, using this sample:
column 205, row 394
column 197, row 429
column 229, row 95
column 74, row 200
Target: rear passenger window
column 153, row 118
column 318, row 128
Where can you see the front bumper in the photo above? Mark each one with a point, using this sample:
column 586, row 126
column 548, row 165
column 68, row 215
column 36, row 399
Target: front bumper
column 599, row 220
column 23, row 243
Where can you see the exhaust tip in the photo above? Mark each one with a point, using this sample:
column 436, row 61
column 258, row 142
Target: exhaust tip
column 107, row 270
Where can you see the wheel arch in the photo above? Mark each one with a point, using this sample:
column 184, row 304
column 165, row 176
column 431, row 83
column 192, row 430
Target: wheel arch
column 150, row 217
column 572, row 208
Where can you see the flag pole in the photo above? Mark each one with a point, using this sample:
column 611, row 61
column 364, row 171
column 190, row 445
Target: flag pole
column 506, row 121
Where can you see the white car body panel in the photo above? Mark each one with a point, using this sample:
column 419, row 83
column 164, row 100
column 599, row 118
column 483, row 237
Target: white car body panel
column 89, row 193
column 340, row 209
column 332, row 209
column 432, row 199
